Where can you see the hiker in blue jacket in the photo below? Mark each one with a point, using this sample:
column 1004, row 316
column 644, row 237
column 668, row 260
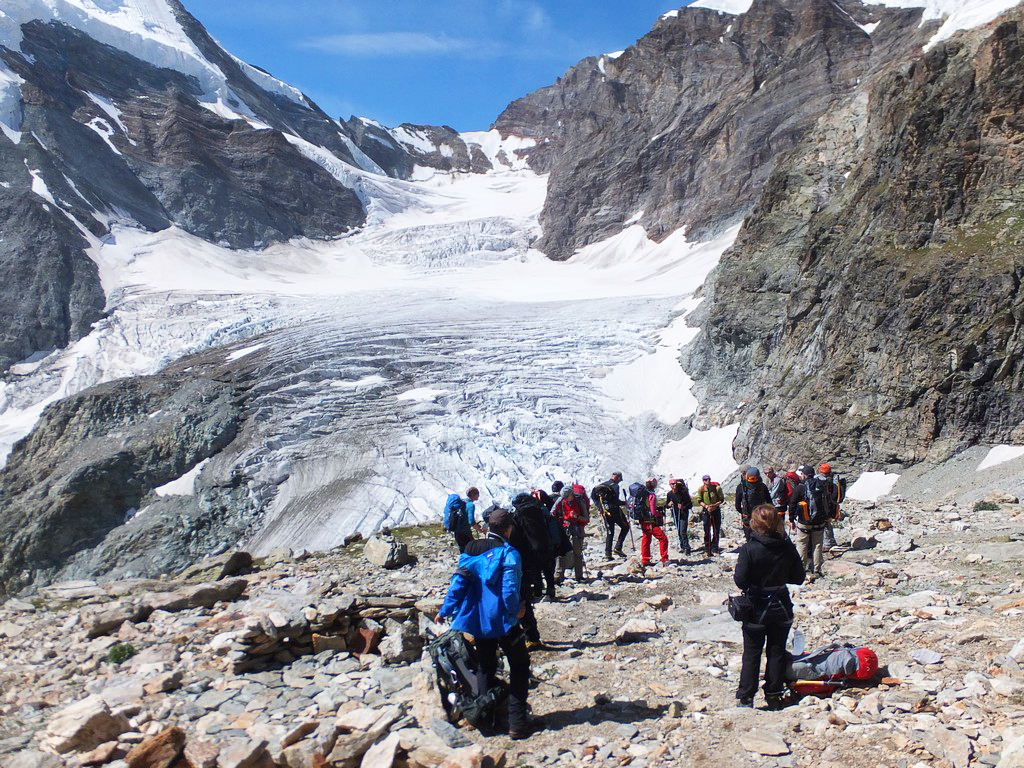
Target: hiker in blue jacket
column 484, row 600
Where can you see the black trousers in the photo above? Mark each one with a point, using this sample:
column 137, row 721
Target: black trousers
column 462, row 538
column 755, row 639
column 549, row 574
column 513, row 645
column 614, row 518
column 530, row 590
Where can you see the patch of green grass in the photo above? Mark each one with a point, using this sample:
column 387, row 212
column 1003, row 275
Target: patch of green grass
column 985, row 506
column 120, row 653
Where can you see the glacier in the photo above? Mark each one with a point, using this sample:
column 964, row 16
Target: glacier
column 431, row 350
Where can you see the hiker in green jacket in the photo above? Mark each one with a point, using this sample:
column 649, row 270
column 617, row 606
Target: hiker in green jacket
column 710, row 497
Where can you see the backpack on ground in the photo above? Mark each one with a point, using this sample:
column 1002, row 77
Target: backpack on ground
column 462, row 683
column 830, row 668
column 639, row 509
column 456, row 516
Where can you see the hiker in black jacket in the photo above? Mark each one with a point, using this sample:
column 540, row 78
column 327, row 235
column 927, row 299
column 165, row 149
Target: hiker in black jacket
column 679, row 501
column 607, row 497
column 750, row 493
column 530, row 538
column 766, row 564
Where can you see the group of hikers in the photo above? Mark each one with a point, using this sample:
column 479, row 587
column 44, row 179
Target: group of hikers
column 530, row 546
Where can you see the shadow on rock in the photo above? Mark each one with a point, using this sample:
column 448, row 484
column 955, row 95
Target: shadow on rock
column 628, row 712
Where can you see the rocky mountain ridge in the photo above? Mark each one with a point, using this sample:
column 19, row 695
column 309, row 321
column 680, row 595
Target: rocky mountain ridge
column 684, row 128
column 885, row 324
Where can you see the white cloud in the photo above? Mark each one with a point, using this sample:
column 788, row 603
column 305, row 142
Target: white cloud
column 533, row 17
column 390, row 44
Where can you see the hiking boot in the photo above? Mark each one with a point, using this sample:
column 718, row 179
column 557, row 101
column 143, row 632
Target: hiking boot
column 527, row 729
column 745, row 701
column 775, row 701
column 620, row 553
column 608, row 555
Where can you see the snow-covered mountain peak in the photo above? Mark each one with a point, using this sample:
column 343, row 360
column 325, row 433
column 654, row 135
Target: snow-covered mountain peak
column 153, row 31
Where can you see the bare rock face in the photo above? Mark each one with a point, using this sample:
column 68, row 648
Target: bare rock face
column 884, row 327
column 398, row 151
column 687, row 125
column 94, row 456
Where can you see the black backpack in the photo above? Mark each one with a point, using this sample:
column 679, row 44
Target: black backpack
column 531, row 536
column 638, row 507
column 462, row 682
column 604, row 498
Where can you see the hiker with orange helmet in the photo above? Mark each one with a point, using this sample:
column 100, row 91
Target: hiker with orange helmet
column 750, row 493
column 829, row 539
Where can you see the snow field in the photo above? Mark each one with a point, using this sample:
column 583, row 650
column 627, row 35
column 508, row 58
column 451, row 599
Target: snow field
column 1000, row 454
column 871, row 486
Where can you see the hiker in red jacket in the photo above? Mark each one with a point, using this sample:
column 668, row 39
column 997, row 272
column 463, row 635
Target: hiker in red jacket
column 574, row 514
column 651, row 520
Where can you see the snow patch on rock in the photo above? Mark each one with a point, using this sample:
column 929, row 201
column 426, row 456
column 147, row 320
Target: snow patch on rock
column 701, row 452
column 871, row 486
column 1000, row 454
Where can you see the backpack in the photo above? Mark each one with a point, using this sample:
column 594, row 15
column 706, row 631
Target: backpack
column 785, row 491
column 748, row 495
column 603, row 496
column 583, row 511
column 638, row 507
column 829, row 668
column 533, row 540
column 714, row 493
column 544, row 498
column 817, row 506
column 455, row 515
column 463, row 683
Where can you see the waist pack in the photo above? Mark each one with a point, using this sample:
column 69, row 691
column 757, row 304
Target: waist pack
column 760, row 609
column 464, row 689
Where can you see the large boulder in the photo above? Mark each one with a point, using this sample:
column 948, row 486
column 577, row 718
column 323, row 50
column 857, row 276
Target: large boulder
column 84, row 725
column 386, row 551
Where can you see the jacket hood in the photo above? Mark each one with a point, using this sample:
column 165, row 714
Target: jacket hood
column 486, row 566
column 771, row 542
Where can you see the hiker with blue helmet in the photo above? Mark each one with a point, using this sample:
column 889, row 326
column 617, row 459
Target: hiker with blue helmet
column 485, row 600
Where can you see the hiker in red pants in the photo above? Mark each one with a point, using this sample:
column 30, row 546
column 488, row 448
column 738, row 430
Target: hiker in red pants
column 651, row 520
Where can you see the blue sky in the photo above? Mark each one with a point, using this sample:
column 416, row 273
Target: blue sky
column 452, row 62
